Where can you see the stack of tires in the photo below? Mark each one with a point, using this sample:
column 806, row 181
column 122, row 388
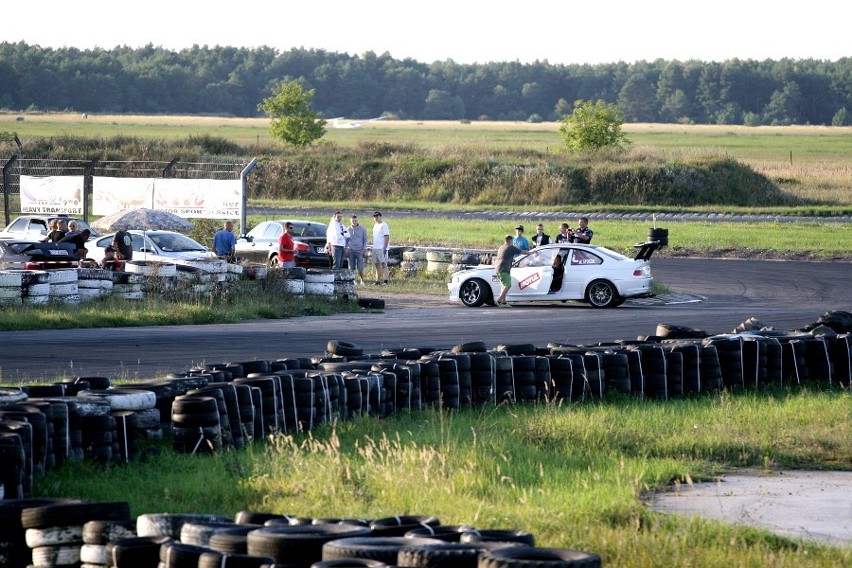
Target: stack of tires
column 438, row 261
column 413, row 261
column 114, row 436
column 11, row 291
column 128, row 285
column 63, row 286
column 319, row 283
column 344, row 283
column 94, row 283
column 54, row 532
column 290, row 281
column 196, row 426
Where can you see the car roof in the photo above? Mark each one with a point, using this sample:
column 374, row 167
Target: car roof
column 296, row 222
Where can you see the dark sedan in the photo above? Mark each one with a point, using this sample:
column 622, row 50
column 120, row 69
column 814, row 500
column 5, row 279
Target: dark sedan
column 261, row 243
column 18, row 254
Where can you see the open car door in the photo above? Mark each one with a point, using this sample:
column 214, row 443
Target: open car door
column 645, row 250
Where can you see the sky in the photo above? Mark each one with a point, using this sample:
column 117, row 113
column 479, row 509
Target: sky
column 466, row 31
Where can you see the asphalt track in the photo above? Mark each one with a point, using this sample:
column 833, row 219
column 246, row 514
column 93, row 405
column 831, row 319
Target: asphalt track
column 782, row 294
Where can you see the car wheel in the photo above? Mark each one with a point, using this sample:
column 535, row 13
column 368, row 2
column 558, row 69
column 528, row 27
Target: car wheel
column 474, row 292
column 602, row 294
column 273, row 261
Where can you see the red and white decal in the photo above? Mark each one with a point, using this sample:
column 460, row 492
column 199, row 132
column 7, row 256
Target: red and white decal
column 529, row 280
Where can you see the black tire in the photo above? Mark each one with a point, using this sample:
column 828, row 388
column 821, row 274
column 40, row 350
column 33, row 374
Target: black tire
column 301, row 544
column 382, row 548
column 212, row 559
column 448, row 554
column 343, row 348
column 530, row 557
column 371, row 303
column 602, row 294
column 475, row 292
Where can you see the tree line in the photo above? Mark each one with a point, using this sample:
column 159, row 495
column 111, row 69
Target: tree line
column 232, row 81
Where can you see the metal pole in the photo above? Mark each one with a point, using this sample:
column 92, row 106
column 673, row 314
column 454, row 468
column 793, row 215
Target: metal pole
column 88, row 185
column 6, row 167
column 244, row 197
column 174, row 161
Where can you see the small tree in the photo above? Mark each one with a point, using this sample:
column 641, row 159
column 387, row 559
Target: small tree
column 293, row 121
column 593, row 126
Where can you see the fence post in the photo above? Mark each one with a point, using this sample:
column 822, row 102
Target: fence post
column 6, row 167
column 88, row 185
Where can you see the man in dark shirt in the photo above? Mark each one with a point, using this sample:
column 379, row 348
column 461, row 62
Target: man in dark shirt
column 79, row 240
column 503, row 265
column 122, row 242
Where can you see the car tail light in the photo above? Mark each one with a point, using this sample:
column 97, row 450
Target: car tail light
column 301, row 247
column 32, row 266
column 642, row 271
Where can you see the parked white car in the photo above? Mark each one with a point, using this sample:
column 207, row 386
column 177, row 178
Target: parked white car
column 565, row 271
column 155, row 245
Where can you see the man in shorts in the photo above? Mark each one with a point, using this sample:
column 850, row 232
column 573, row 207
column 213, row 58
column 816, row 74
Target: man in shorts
column 503, row 264
column 381, row 238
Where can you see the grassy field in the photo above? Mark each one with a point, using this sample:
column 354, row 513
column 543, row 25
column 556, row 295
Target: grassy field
column 574, row 475
column 806, row 161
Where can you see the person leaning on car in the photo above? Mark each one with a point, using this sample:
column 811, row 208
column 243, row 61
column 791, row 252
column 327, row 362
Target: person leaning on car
column 56, row 234
column 224, row 241
column 122, row 242
column 503, row 265
column 79, row 241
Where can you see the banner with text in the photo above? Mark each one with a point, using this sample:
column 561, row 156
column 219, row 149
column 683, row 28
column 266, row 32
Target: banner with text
column 49, row 195
column 197, row 198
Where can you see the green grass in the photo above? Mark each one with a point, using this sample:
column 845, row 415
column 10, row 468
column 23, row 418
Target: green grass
column 817, row 240
column 242, row 301
column 574, row 475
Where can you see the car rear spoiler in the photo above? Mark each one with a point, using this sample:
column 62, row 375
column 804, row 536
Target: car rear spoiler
column 645, row 250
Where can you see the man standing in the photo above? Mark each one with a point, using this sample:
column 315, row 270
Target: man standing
column 503, row 264
column 224, row 242
column 122, row 242
column 520, row 240
column 381, row 239
column 286, row 248
column 540, row 237
column 582, row 234
column 564, row 235
column 356, row 245
column 335, row 240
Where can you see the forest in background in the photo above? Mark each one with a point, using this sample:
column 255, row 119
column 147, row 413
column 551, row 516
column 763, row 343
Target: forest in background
column 231, row 81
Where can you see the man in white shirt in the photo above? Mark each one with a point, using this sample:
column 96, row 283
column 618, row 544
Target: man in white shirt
column 381, row 239
column 335, row 240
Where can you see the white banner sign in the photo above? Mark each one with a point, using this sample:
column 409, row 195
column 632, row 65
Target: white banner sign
column 50, row 195
column 196, row 198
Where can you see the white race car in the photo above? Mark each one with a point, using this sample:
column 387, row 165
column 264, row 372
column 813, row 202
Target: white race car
column 564, row 271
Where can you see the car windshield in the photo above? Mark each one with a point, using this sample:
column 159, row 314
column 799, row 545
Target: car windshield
column 309, row 229
column 175, row 242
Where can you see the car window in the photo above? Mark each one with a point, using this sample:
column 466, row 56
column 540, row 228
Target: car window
column 581, row 257
column 257, row 231
column 273, row 231
column 137, row 242
column 542, row 257
column 18, row 225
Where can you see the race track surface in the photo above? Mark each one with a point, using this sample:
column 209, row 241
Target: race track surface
column 782, row 294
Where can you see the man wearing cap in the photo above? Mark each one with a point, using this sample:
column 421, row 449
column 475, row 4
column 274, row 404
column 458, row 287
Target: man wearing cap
column 520, row 240
column 503, row 265
column 335, row 240
column 109, row 261
column 381, row 239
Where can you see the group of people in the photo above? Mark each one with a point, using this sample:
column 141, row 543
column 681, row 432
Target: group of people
column 515, row 245
column 581, row 234
column 349, row 243
column 115, row 255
